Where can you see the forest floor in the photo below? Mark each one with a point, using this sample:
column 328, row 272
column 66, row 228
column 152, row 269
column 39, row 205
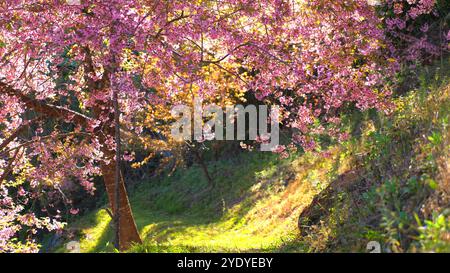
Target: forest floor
column 388, row 183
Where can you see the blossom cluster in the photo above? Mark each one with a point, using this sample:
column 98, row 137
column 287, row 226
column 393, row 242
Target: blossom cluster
column 417, row 29
column 15, row 220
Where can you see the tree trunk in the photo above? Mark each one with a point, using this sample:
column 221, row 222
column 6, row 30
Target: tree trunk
column 204, row 169
column 118, row 170
column 128, row 233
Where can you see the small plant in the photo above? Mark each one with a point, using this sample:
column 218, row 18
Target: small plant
column 435, row 233
column 435, row 138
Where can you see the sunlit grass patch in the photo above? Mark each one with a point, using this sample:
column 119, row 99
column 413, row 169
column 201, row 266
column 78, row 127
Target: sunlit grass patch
column 254, row 208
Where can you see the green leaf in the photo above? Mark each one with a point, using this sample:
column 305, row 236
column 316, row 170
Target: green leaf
column 433, row 184
column 419, row 223
column 441, row 221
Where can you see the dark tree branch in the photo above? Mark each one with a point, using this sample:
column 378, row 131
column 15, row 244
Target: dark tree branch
column 49, row 110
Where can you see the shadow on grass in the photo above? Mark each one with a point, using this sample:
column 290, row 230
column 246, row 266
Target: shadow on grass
column 170, row 207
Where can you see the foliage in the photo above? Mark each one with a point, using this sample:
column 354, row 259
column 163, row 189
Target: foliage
column 402, row 188
column 434, row 234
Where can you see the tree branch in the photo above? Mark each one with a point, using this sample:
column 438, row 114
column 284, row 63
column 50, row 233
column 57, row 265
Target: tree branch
column 48, row 110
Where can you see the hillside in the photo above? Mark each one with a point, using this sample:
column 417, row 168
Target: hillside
column 388, row 183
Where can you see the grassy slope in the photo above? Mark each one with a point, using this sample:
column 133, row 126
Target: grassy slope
column 369, row 188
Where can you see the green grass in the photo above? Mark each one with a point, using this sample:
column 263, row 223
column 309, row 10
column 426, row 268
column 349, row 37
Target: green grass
column 254, row 206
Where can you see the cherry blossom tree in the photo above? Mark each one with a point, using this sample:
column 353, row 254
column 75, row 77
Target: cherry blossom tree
column 63, row 62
